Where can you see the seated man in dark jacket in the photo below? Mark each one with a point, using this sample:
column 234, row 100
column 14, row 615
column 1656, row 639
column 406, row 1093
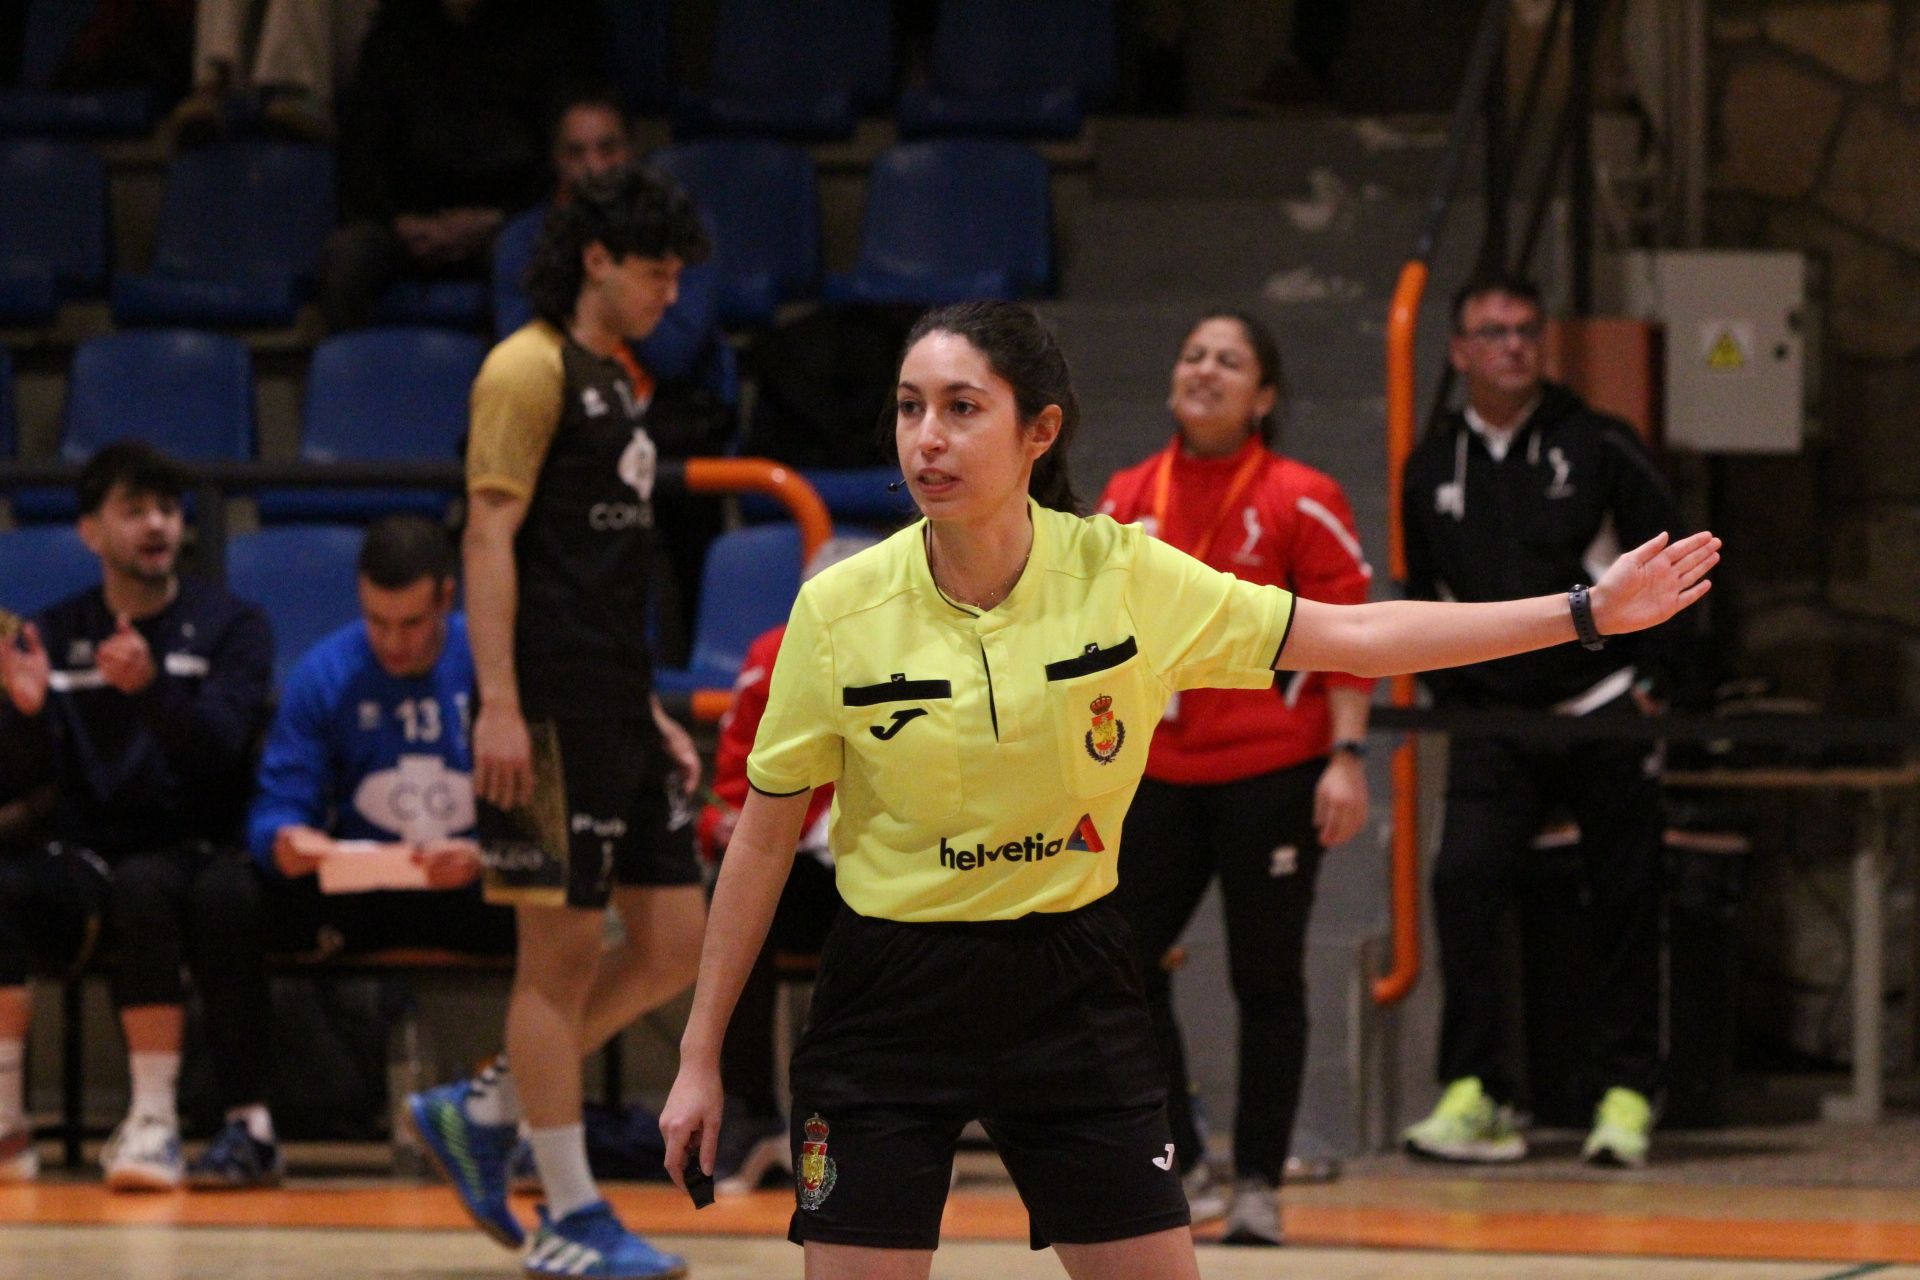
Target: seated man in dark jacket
column 148, row 693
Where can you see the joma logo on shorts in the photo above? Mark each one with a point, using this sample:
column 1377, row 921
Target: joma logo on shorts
column 1033, row 848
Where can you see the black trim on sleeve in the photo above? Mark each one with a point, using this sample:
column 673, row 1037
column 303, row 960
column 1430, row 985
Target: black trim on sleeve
column 898, row 689
column 778, row 795
column 1293, row 611
column 1094, row 659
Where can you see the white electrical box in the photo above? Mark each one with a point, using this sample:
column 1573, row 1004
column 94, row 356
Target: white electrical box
column 1734, row 348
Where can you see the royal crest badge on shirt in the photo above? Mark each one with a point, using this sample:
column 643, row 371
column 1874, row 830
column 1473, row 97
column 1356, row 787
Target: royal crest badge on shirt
column 817, row 1171
column 1108, row 733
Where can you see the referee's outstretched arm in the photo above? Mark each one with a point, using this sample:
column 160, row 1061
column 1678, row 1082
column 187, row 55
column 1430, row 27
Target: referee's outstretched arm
column 759, row 859
column 1642, row 589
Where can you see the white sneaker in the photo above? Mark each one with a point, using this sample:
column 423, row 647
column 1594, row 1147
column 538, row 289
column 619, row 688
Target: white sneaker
column 1205, row 1200
column 144, row 1155
column 19, row 1161
column 1255, row 1218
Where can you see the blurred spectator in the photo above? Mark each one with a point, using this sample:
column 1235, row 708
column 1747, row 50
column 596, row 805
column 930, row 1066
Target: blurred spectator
column 127, row 44
column 1243, row 786
column 753, row 1139
column 1528, row 491
column 26, row 801
column 370, row 745
column 290, row 54
column 442, row 138
column 150, row 691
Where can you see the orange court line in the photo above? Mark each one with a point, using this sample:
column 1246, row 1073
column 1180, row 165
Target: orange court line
column 998, row 1215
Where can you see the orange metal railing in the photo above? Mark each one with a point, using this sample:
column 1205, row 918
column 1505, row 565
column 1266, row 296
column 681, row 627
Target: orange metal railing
column 1404, row 875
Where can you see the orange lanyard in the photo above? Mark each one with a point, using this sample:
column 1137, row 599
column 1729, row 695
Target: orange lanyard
column 1163, row 494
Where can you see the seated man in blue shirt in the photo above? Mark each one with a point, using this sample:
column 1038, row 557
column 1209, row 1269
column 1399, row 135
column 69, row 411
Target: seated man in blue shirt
column 370, row 745
column 147, row 694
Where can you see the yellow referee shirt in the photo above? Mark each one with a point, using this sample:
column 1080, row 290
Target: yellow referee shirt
column 985, row 761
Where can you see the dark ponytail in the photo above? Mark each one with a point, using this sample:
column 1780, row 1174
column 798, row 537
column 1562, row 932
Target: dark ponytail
column 1022, row 351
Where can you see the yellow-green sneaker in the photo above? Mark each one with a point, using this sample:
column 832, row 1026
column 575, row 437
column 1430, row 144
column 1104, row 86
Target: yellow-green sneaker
column 1621, row 1125
column 1467, row 1126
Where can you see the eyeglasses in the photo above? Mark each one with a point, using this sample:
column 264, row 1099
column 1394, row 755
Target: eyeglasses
column 1495, row 334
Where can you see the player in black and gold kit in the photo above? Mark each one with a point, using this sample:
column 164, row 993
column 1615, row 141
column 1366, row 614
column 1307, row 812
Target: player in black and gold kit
column 583, row 778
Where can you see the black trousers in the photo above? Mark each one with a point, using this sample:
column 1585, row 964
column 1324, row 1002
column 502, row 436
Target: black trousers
column 1499, row 793
column 302, row 919
column 1257, row 836
column 194, row 906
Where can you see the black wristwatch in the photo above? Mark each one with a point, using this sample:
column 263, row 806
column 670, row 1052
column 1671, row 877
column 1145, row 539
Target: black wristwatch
column 1355, row 747
column 1581, row 606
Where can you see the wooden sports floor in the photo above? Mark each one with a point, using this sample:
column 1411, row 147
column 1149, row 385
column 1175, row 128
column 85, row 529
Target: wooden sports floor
column 1360, row 1228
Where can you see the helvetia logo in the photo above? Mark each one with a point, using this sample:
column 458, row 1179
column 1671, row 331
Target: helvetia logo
column 1033, row 848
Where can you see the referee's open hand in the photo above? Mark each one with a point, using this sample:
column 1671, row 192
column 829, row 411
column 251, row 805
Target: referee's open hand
column 502, row 757
column 1654, row 581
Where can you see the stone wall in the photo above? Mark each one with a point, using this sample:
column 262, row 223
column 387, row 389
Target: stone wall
column 1816, row 147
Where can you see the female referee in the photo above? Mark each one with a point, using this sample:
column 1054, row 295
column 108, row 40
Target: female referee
column 1250, row 785
column 983, row 687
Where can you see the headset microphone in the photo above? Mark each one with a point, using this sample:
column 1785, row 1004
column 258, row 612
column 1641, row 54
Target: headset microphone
column 897, row 485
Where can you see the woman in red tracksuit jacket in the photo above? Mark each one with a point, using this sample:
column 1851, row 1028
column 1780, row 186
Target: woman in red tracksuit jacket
column 1247, row 785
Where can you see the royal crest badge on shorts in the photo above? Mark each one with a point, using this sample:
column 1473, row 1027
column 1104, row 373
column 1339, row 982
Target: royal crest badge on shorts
column 1108, row 734
column 816, row 1173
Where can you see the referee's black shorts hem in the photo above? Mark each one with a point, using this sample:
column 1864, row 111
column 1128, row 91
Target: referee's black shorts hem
column 1107, row 1232
column 803, row 1229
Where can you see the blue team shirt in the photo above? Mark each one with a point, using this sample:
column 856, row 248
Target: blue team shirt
column 364, row 755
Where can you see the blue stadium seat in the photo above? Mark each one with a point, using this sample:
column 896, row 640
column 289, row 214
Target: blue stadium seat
column 1021, row 68
column 43, row 565
column 952, row 220
column 802, row 69
column 512, row 252
column 640, row 55
column 764, row 205
column 187, row 392
column 303, row 575
column 33, row 106
column 240, row 235
column 381, row 395
column 748, row 585
column 442, row 304
column 53, row 227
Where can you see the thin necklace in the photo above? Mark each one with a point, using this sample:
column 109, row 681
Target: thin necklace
column 990, row 600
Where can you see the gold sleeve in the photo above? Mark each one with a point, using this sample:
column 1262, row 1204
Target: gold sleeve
column 515, row 409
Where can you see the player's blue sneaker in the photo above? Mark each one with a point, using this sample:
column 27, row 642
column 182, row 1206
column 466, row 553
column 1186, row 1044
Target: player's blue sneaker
column 591, row 1242
column 472, row 1156
column 235, row 1158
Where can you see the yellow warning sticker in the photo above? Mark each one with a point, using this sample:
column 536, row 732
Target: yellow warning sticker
column 1726, row 346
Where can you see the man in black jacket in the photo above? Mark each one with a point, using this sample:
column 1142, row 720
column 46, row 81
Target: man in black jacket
column 1528, row 491
column 148, row 692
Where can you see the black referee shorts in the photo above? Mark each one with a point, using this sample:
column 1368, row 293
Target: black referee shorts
column 1036, row 1027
